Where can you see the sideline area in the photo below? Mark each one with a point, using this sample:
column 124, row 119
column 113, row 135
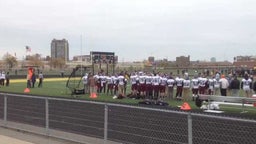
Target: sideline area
column 11, row 136
column 30, row 134
column 10, row 140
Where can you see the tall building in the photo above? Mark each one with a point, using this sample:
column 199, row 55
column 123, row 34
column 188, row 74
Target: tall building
column 182, row 61
column 60, row 49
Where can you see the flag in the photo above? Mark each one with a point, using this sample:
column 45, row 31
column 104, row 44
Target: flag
column 28, row 49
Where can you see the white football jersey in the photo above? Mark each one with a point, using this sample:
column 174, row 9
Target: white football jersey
column 120, row 80
column 163, row 81
column 148, row 79
column 186, row 83
column 211, row 84
column 202, row 81
column 156, row 80
column 216, row 83
column 179, row 81
column 109, row 80
column 142, row 79
column 246, row 84
column 170, row 82
column 133, row 79
column 195, row 83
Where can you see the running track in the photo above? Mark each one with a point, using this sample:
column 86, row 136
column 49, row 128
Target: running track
column 128, row 125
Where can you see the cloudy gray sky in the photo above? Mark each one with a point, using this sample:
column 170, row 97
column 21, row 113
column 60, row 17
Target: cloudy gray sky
column 133, row 29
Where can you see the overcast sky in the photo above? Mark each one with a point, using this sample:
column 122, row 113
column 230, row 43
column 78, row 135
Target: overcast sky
column 133, row 29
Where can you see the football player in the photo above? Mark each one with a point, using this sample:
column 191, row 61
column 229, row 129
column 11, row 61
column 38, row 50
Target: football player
column 195, row 87
column 170, row 85
column 179, row 87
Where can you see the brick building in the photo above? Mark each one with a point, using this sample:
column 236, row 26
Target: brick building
column 183, row 61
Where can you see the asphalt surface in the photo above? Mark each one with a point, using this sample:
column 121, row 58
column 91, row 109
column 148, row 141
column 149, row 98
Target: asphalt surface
column 12, row 136
column 129, row 125
column 10, row 140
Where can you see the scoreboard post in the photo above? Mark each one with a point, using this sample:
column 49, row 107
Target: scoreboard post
column 103, row 58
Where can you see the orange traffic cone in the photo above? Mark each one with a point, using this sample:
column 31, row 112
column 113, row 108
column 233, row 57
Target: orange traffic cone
column 93, row 95
column 26, row 90
column 185, row 106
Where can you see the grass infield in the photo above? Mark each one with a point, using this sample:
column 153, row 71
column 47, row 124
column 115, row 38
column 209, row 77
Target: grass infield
column 56, row 87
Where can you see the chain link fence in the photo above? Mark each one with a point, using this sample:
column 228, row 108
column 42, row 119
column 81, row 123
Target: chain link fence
column 114, row 123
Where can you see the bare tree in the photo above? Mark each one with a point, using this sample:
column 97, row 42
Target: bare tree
column 10, row 61
column 35, row 60
column 57, row 63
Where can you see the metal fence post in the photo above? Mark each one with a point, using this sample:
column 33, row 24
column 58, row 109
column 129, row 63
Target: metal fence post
column 5, row 110
column 243, row 101
column 190, row 138
column 47, row 116
column 106, row 124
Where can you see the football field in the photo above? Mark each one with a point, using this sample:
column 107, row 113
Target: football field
column 56, row 87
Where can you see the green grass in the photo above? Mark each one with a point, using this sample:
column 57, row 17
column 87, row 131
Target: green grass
column 49, row 88
column 56, row 87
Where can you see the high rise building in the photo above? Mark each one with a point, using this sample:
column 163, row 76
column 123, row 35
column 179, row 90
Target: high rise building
column 60, row 49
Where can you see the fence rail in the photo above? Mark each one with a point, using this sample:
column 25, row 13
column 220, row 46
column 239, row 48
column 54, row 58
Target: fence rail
column 116, row 123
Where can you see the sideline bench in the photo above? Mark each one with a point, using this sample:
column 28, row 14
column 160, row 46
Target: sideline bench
column 229, row 100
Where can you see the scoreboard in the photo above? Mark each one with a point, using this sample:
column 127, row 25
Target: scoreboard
column 103, row 57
